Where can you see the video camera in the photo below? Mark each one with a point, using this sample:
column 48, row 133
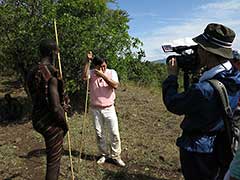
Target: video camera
column 187, row 61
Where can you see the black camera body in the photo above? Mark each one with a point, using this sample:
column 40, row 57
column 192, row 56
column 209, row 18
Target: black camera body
column 187, row 61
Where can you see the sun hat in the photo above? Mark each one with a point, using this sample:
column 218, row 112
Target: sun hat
column 217, row 39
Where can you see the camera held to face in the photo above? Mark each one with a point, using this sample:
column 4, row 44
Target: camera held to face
column 187, row 59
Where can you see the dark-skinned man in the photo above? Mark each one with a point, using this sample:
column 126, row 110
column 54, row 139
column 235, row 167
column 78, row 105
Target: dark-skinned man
column 46, row 90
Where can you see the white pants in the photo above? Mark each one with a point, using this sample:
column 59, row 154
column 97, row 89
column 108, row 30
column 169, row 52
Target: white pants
column 107, row 115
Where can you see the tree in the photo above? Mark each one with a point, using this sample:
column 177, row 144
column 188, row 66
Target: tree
column 83, row 25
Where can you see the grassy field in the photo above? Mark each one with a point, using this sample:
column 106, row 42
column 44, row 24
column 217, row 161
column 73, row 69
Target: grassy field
column 147, row 131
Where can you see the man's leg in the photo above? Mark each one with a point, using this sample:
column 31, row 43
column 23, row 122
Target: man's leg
column 198, row 166
column 99, row 127
column 112, row 121
column 54, row 147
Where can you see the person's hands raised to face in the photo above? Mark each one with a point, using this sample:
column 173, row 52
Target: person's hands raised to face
column 99, row 70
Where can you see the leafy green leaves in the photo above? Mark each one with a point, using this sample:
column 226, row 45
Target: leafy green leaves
column 83, row 25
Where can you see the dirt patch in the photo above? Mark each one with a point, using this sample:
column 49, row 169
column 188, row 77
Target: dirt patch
column 147, row 130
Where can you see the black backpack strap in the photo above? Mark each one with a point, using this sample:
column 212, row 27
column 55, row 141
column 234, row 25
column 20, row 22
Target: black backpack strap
column 236, row 130
column 228, row 114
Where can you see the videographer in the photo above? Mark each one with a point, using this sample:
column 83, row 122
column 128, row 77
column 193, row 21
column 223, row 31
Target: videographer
column 204, row 153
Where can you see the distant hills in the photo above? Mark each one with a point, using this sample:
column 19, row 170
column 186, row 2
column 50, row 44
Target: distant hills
column 160, row 61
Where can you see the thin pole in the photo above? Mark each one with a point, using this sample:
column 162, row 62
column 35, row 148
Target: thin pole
column 61, row 76
column 85, row 113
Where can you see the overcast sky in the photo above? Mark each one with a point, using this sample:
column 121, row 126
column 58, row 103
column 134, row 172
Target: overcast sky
column 176, row 22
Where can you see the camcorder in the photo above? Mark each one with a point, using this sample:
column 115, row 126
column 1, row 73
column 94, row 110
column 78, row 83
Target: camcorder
column 187, row 61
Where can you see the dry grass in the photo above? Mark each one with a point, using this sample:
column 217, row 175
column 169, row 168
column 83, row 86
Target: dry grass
column 148, row 134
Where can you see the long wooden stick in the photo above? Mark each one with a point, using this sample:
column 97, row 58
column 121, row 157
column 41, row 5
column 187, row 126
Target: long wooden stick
column 85, row 113
column 68, row 133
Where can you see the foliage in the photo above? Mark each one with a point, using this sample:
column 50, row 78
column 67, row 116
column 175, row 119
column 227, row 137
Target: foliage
column 147, row 73
column 23, row 25
column 83, row 25
column 148, row 132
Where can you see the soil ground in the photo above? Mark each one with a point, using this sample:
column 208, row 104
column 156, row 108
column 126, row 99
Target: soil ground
column 148, row 133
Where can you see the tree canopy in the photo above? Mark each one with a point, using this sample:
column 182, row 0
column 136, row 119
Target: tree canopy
column 83, row 25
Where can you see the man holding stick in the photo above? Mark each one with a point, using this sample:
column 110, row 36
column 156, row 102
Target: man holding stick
column 103, row 83
column 46, row 90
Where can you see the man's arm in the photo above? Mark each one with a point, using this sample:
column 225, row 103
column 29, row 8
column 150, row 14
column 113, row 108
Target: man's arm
column 85, row 74
column 55, row 104
column 112, row 83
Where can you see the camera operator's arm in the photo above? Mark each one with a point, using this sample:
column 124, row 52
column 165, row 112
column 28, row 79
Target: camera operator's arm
column 179, row 103
column 170, row 85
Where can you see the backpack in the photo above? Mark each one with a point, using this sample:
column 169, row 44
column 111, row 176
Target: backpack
column 231, row 118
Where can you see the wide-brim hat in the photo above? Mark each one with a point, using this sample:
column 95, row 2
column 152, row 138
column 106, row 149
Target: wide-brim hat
column 217, row 39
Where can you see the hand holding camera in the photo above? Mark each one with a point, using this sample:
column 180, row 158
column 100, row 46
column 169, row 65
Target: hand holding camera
column 173, row 67
column 187, row 57
column 186, row 60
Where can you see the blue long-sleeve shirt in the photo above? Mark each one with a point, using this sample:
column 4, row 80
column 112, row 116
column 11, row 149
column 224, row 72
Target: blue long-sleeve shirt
column 202, row 109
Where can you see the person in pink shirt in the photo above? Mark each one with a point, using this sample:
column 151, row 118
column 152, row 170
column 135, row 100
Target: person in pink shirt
column 102, row 84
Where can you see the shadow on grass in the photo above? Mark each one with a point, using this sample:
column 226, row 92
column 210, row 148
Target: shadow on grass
column 110, row 173
column 12, row 177
column 74, row 153
column 123, row 175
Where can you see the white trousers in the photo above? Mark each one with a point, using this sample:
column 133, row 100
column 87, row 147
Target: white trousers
column 107, row 116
